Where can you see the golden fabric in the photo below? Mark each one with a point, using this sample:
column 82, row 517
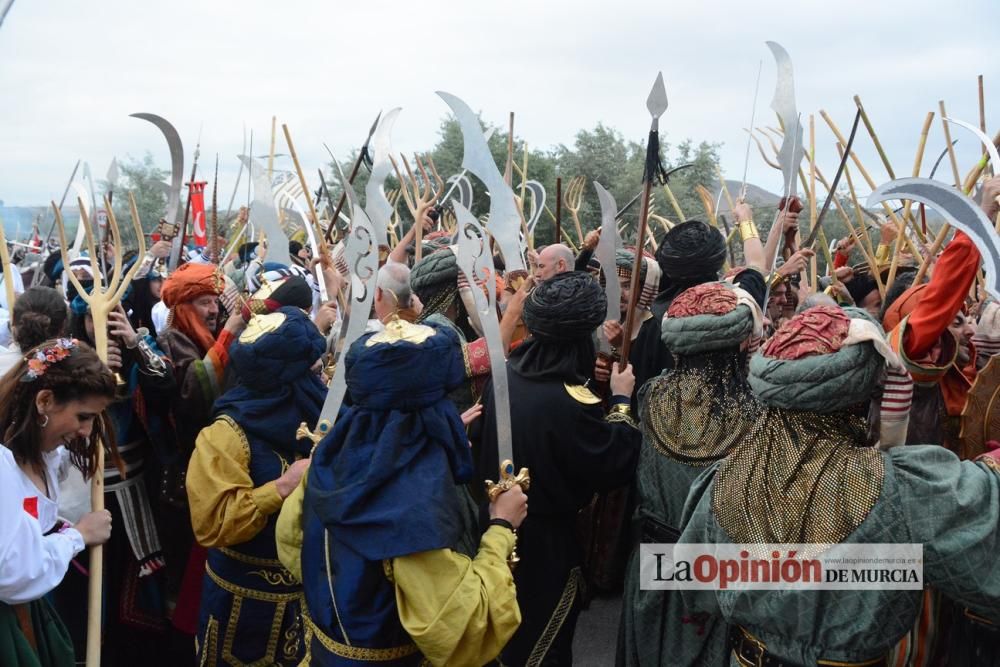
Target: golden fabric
column 226, row 509
column 288, row 531
column 459, row 611
column 799, row 478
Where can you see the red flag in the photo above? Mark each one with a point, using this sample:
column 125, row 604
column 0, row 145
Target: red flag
column 198, row 213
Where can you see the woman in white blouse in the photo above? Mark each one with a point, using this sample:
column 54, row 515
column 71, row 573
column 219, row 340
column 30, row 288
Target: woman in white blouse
column 51, row 416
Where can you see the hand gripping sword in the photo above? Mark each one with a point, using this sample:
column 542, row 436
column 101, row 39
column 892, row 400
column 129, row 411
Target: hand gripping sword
column 361, row 255
column 475, row 261
column 504, row 223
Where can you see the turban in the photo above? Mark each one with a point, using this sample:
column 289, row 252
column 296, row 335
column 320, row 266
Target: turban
column 265, row 357
column 189, row 282
column 247, row 251
column 708, row 317
column 649, row 276
column 860, row 286
column 691, row 252
column 290, row 290
column 272, row 272
column 567, row 306
column 823, row 360
column 434, row 279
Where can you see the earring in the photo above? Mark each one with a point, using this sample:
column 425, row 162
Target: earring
column 44, row 422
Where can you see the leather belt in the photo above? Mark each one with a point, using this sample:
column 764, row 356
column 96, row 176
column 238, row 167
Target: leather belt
column 752, row 652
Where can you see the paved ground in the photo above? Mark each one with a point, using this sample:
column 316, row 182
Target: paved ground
column 597, row 633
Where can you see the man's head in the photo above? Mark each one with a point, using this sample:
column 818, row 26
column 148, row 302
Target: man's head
column 777, row 301
column 691, row 253
column 553, row 260
column 963, row 328
column 392, row 290
column 192, row 294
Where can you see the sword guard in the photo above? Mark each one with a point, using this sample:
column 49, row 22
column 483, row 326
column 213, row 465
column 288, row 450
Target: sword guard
column 508, row 480
column 304, row 433
column 515, row 279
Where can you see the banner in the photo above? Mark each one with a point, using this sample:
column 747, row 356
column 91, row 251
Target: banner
column 197, row 194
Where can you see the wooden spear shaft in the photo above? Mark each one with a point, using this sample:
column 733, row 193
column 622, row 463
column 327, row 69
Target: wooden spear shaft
column 918, row 160
column 813, row 263
column 558, row 209
column 322, row 250
column 636, row 270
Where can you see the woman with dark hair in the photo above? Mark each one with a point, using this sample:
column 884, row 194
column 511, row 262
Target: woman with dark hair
column 135, row 620
column 51, row 416
column 39, row 314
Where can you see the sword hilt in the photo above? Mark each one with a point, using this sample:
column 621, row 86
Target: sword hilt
column 304, row 433
column 508, row 480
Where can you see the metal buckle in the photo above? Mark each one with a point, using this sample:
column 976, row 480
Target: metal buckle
column 747, row 638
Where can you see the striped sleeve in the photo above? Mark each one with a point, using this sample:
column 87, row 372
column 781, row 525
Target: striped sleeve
column 897, row 396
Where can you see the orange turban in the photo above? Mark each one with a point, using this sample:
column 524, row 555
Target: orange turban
column 189, row 282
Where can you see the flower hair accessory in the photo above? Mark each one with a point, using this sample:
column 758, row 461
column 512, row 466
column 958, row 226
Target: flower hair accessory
column 39, row 362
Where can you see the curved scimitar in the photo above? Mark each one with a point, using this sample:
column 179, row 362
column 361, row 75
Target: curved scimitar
column 265, row 214
column 176, row 176
column 504, row 223
column 959, row 210
column 792, row 150
column 377, row 205
column 605, row 254
column 991, row 149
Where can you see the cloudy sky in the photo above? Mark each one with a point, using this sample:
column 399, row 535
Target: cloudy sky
column 71, row 72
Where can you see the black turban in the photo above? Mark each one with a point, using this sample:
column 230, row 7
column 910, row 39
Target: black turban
column 691, row 252
column 860, row 286
column 569, row 305
column 434, row 279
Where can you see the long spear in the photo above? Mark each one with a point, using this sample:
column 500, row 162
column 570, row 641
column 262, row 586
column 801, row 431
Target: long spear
column 657, row 104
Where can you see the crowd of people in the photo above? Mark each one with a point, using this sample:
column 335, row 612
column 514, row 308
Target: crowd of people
column 749, row 410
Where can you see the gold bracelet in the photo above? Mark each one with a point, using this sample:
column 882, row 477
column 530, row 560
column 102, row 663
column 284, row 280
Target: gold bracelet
column 882, row 253
column 748, row 230
column 621, row 409
column 775, row 280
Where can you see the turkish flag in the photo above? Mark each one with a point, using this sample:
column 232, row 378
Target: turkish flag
column 198, row 213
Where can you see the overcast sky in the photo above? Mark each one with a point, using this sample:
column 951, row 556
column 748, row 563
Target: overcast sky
column 73, row 71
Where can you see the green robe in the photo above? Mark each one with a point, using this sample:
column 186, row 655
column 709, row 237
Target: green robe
column 927, row 496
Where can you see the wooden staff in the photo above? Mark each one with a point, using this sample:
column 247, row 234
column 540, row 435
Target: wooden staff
column 508, row 172
column 917, row 161
column 322, row 249
column 673, row 201
column 874, row 137
column 558, row 220
column 101, row 300
column 870, row 252
column 8, row 270
column 813, row 263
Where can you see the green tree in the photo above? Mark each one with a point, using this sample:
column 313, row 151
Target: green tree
column 145, row 180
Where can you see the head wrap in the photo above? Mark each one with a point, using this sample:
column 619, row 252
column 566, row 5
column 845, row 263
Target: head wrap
column 290, row 290
column 189, row 282
column 183, row 286
column 273, row 272
column 708, row 317
column 649, row 276
column 434, row 279
column 567, row 306
column 987, row 336
column 277, row 390
column 691, row 252
column 824, row 359
column 247, row 252
column 861, row 285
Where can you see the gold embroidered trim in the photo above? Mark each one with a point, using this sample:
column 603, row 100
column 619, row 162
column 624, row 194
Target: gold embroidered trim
column 581, row 394
column 466, row 360
column 249, row 592
column 261, row 325
column 556, row 620
column 355, row 652
column 290, row 650
column 239, row 433
column 990, row 463
column 211, row 639
column 249, row 560
column 387, row 570
column 620, row 418
column 397, row 330
column 279, row 578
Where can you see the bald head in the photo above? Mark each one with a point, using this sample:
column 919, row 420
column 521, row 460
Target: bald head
column 553, row 260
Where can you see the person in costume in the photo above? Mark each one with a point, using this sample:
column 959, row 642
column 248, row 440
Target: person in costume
column 382, row 534
column 815, row 379
column 553, row 260
column 136, row 617
column 243, row 467
column 51, row 416
column 561, row 433
column 690, row 254
column 198, row 353
column 926, row 327
column 691, row 416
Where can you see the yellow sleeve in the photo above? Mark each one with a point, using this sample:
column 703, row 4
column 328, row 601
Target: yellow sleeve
column 459, row 611
column 225, row 507
column 288, row 532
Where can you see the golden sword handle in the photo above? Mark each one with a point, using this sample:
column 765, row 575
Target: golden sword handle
column 508, row 480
